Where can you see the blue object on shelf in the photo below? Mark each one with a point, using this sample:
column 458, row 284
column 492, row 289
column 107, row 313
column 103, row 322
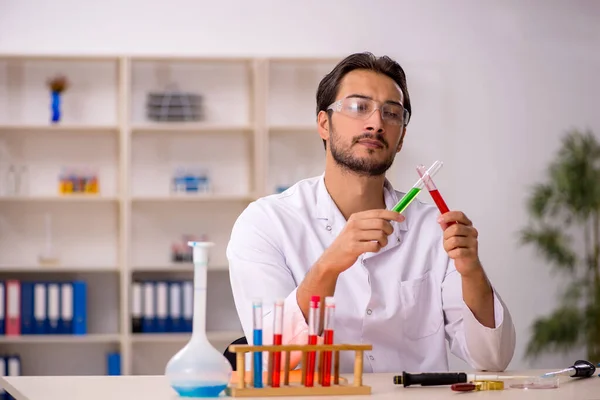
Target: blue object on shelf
column 55, row 107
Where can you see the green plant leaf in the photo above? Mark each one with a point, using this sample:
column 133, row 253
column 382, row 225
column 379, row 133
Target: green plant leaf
column 560, row 331
column 541, row 199
column 552, row 244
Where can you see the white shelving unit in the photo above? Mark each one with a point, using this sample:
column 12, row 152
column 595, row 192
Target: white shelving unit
column 258, row 115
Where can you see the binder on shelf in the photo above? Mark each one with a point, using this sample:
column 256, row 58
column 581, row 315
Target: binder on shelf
column 2, row 309
column 148, row 318
column 66, row 308
column 3, row 394
column 175, row 317
column 136, row 307
column 39, row 309
column 113, row 363
column 13, row 368
column 53, row 290
column 188, row 305
column 13, row 307
column 162, row 296
column 27, row 305
column 79, row 308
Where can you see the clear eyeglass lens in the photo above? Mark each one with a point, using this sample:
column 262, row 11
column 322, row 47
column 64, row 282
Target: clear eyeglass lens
column 364, row 108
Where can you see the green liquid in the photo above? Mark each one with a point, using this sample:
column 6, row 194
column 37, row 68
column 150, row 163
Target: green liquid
column 406, row 200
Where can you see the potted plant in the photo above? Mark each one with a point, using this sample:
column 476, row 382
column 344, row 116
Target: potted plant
column 565, row 229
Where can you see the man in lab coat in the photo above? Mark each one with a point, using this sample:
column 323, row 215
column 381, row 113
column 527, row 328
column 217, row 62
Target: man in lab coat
column 404, row 283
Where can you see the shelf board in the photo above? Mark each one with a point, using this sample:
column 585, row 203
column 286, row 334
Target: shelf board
column 67, row 128
column 14, row 268
column 293, row 128
column 210, row 197
column 60, row 198
column 68, row 339
column 189, row 127
column 183, row 267
column 215, row 336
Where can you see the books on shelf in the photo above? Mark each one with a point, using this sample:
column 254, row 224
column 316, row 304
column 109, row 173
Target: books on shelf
column 162, row 306
column 43, row 308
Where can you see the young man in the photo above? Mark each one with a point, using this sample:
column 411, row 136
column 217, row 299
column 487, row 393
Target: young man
column 403, row 283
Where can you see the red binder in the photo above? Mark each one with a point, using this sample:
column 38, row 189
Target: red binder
column 13, row 307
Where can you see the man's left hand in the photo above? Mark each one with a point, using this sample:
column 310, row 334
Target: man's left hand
column 460, row 242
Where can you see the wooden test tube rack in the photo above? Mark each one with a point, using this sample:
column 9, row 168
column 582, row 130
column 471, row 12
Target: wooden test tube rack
column 337, row 388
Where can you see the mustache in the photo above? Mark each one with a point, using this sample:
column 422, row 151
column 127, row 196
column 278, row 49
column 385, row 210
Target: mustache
column 379, row 137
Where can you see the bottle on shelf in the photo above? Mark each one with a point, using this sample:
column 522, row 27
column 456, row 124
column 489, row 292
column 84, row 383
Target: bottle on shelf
column 11, row 186
column 23, row 181
column 199, row 369
column 48, row 256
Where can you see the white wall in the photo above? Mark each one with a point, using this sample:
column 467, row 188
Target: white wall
column 505, row 80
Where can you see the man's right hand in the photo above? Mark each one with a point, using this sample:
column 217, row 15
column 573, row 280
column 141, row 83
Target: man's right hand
column 365, row 231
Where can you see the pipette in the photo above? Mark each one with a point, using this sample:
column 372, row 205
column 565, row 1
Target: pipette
column 417, row 187
column 447, row 378
column 579, row 369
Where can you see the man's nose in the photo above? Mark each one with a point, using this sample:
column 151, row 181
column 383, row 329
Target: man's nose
column 374, row 123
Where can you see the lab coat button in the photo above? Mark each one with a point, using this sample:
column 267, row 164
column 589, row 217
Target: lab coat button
column 369, row 311
column 371, row 358
column 328, row 227
column 364, row 262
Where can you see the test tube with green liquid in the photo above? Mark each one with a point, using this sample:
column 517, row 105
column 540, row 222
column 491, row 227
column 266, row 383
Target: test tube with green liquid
column 417, row 187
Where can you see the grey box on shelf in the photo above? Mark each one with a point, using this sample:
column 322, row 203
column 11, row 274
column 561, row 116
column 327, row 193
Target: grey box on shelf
column 174, row 106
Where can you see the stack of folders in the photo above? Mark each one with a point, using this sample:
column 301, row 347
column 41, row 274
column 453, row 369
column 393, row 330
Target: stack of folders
column 10, row 365
column 43, row 308
column 161, row 307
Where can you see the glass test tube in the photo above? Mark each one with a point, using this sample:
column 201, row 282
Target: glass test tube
column 313, row 331
column 328, row 328
column 277, row 340
column 257, row 317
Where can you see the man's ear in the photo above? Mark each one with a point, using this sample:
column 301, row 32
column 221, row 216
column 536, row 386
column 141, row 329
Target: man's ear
column 323, row 125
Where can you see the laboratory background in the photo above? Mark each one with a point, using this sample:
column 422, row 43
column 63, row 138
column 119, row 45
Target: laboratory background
column 128, row 128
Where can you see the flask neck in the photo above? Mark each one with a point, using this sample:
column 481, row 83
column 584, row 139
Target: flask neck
column 199, row 319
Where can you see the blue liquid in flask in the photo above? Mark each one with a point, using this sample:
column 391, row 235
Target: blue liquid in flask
column 199, row 370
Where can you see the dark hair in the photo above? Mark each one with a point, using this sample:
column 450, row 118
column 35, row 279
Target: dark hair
column 329, row 85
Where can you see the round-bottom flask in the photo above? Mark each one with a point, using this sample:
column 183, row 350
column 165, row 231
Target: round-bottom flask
column 198, row 369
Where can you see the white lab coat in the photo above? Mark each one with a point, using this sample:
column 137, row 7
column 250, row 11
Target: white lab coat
column 405, row 300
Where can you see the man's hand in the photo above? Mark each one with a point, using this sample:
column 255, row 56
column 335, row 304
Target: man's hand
column 460, row 242
column 366, row 231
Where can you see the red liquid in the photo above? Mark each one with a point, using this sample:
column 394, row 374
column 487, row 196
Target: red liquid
column 310, row 364
column 326, row 381
column 277, row 339
column 440, row 203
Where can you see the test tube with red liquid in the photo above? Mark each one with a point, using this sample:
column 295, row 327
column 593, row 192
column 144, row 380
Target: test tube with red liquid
column 433, row 191
column 328, row 327
column 313, row 331
column 277, row 340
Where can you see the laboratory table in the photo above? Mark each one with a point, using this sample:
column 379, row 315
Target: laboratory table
column 157, row 388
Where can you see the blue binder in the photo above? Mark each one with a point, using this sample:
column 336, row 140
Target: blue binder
column 149, row 307
column 66, row 308
column 27, row 301
column 40, row 308
column 175, row 307
column 79, row 308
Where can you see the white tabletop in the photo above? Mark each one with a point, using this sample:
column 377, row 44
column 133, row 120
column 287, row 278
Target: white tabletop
column 157, row 388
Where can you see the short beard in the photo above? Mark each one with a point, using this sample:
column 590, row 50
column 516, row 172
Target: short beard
column 362, row 167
